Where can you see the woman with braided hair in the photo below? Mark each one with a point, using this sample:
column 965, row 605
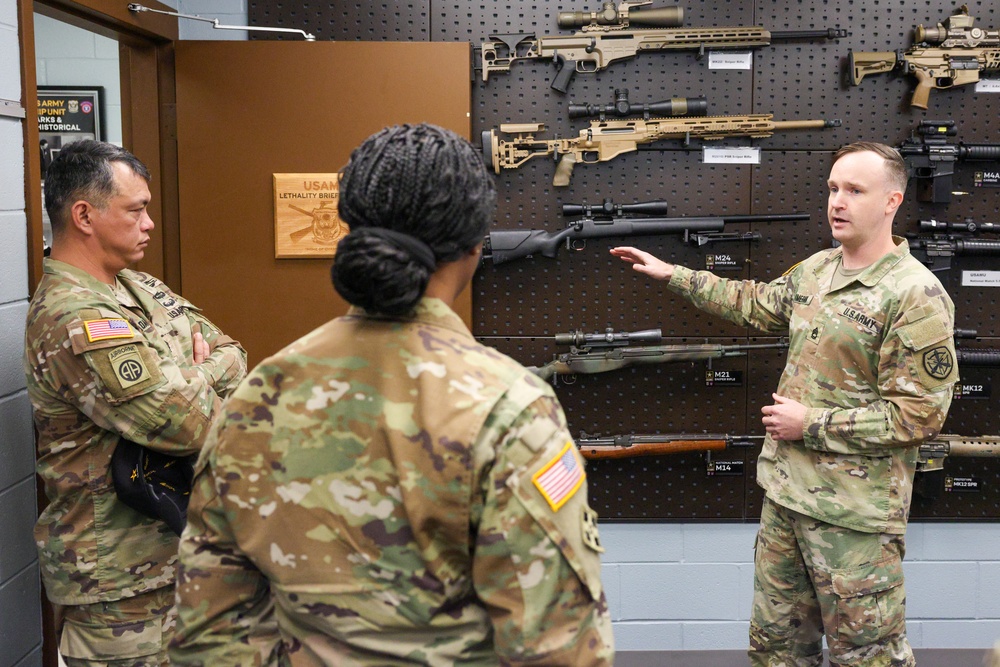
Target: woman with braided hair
column 386, row 490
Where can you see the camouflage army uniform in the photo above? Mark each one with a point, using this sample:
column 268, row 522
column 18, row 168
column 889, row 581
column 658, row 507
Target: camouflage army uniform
column 874, row 363
column 104, row 362
column 408, row 495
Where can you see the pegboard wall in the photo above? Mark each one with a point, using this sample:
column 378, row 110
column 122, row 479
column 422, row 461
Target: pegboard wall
column 519, row 307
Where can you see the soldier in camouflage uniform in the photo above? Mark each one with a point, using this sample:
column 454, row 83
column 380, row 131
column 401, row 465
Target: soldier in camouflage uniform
column 401, row 493
column 869, row 376
column 112, row 353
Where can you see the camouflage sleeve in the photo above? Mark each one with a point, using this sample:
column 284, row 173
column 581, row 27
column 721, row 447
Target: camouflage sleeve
column 537, row 562
column 126, row 386
column 227, row 365
column 224, row 613
column 916, row 374
column 765, row 306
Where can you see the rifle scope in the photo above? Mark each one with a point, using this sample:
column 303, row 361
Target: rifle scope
column 967, row 226
column 677, row 106
column 609, row 338
column 609, row 208
column 662, row 17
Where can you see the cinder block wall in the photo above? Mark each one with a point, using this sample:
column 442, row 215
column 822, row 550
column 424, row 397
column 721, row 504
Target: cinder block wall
column 20, row 607
column 689, row 586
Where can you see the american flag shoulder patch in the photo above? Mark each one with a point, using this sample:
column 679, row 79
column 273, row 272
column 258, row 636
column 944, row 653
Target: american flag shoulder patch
column 111, row 327
column 560, row 478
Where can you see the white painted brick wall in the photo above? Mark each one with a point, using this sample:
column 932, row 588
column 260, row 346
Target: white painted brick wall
column 690, row 586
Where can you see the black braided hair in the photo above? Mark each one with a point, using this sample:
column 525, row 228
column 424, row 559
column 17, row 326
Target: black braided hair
column 421, row 180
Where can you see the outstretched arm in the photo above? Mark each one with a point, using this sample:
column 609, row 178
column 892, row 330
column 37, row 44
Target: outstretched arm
column 645, row 263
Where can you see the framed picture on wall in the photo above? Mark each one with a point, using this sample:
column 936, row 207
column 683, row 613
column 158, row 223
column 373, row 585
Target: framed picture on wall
column 67, row 114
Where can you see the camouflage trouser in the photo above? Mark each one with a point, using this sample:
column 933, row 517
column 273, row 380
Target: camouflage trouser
column 131, row 632
column 812, row 578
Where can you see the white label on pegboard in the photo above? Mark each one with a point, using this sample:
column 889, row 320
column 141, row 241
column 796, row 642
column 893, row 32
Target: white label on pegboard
column 988, row 86
column 980, row 278
column 733, row 155
column 730, row 60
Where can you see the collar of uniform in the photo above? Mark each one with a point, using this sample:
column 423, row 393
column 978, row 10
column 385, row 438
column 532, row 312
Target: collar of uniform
column 876, row 271
column 56, row 268
column 429, row 310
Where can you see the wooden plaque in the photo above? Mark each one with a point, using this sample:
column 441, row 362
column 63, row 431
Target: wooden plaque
column 306, row 223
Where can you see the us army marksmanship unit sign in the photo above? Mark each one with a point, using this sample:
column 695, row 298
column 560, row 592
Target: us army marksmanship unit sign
column 306, row 223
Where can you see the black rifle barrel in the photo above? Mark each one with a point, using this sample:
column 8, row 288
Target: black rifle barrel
column 776, row 217
column 985, row 357
column 829, row 33
column 979, row 151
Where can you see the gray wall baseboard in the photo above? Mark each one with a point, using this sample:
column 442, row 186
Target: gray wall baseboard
column 928, row 657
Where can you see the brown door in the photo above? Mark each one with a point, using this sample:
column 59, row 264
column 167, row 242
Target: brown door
column 249, row 110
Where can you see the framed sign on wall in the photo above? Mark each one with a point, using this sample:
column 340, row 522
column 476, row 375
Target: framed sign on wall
column 67, row 114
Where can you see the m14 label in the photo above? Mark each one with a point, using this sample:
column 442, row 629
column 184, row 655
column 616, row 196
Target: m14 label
column 723, row 468
column 973, row 390
column 715, row 378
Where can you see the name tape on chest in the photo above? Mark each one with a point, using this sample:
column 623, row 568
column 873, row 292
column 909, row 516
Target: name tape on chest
column 560, row 478
column 107, row 328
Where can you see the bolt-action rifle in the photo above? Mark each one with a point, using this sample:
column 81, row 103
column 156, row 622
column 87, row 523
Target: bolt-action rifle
column 607, row 36
column 607, row 139
column 936, row 250
column 952, row 54
column 628, row 446
column 931, row 160
column 605, row 353
column 612, row 219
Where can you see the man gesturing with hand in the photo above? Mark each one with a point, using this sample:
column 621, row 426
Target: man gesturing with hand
column 869, row 376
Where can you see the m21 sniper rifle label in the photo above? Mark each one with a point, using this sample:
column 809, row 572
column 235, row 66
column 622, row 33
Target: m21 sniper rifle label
column 716, row 378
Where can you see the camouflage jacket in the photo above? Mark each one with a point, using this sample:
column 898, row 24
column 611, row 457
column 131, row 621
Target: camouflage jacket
column 874, row 363
column 104, row 363
column 402, row 495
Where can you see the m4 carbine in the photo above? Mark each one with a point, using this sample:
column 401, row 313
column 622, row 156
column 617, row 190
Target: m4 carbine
column 930, row 159
column 952, row 54
column 615, row 220
column 607, row 36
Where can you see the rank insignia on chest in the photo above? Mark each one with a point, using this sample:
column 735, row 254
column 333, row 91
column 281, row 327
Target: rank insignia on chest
column 560, row 478
column 106, row 329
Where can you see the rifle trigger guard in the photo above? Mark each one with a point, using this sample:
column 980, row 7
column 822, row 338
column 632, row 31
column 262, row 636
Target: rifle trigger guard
column 576, row 244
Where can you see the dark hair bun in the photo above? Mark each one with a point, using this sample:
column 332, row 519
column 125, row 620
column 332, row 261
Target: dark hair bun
column 372, row 272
